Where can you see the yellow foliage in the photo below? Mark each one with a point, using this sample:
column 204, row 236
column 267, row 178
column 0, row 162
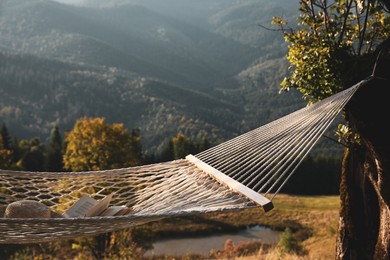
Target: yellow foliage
column 95, row 145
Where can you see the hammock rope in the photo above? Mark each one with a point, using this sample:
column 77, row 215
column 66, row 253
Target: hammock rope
column 176, row 188
column 265, row 158
column 246, row 171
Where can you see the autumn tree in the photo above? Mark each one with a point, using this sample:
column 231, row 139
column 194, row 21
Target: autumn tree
column 94, row 144
column 335, row 45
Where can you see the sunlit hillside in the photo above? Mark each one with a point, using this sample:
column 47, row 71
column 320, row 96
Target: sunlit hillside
column 202, row 69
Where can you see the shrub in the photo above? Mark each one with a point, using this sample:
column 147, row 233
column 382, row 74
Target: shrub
column 288, row 243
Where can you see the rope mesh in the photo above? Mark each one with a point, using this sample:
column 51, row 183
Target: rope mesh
column 154, row 191
column 265, row 158
column 262, row 160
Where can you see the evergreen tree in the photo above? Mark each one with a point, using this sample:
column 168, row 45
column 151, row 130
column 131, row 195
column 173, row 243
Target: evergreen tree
column 33, row 158
column 203, row 144
column 315, row 176
column 17, row 151
column 6, row 139
column 136, row 146
column 182, row 146
column 5, row 156
column 167, row 152
column 55, row 152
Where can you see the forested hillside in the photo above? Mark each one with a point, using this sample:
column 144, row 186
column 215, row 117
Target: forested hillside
column 197, row 67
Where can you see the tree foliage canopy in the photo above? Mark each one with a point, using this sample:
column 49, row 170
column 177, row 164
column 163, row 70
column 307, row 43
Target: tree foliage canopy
column 335, row 45
column 329, row 35
column 54, row 153
column 5, row 156
column 182, row 146
column 94, row 144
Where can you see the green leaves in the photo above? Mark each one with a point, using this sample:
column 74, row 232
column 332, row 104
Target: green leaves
column 328, row 33
column 346, row 135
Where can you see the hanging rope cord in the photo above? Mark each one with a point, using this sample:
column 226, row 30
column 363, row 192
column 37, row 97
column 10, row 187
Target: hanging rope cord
column 246, row 171
column 264, row 159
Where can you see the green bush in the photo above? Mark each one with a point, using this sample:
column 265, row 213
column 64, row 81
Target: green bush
column 288, row 243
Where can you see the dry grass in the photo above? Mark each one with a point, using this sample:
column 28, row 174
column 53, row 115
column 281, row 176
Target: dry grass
column 318, row 213
column 313, row 219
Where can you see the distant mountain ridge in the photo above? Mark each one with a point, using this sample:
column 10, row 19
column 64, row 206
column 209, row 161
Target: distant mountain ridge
column 156, row 44
column 141, row 65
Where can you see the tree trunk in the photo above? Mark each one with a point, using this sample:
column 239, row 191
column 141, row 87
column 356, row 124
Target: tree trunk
column 364, row 224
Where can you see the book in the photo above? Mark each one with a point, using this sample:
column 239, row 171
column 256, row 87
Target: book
column 99, row 207
column 116, row 211
column 87, row 206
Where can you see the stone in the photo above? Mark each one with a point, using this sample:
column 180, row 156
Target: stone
column 27, row 209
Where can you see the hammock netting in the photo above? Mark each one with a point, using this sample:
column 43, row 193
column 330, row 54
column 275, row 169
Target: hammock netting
column 246, row 171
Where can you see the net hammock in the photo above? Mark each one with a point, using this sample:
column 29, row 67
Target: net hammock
column 246, row 171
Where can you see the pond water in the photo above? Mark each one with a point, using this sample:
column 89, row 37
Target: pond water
column 203, row 245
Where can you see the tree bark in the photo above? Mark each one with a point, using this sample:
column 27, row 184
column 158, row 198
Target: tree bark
column 364, row 224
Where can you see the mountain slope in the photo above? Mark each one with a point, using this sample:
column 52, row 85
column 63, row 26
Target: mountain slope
column 151, row 42
column 61, row 93
column 140, row 65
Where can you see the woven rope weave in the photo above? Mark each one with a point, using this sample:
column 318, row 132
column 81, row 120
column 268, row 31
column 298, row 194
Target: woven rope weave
column 227, row 177
column 152, row 191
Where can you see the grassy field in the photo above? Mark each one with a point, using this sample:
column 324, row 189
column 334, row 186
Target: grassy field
column 312, row 220
column 318, row 214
